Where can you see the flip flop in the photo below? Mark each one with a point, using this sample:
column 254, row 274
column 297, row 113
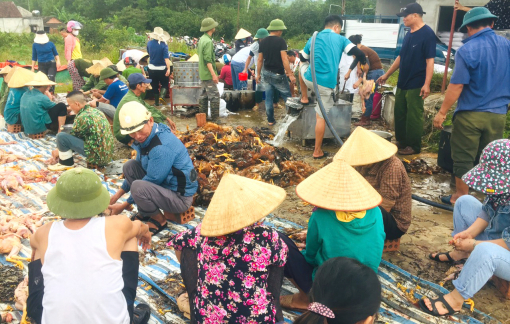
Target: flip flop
column 155, row 231
column 286, row 301
column 437, row 259
column 325, row 155
column 141, row 218
column 446, row 200
column 271, row 124
column 141, row 314
column 434, row 310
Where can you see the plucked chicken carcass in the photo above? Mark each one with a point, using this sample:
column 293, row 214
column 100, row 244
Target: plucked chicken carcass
column 366, row 88
column 6, row 157
column 12, row 180
column 10, row 244
column 21, row 296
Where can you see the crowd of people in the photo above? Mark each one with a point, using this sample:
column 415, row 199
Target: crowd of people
column 233, row 265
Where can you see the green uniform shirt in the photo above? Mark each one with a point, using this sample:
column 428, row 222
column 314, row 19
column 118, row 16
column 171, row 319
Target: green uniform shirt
column 82, row 65
column 127, row 72
column 94, row 83
column 130, row 96
column 361, row 239
column 34, row 106
column 93, row 128
column 205, row 55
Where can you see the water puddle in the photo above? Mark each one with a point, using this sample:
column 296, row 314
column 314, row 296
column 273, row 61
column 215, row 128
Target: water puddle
column 280, row 136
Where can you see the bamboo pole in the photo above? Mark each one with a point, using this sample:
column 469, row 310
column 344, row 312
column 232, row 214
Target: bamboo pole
column 452, row 29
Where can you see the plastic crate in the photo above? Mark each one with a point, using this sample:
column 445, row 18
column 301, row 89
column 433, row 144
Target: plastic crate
column 182, row 218
column 16, row 128
column 391, row 245
column 37, row 136
column 502, row 285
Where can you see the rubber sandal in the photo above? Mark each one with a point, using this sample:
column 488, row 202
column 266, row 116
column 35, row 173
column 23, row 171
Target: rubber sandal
column 286, row 301
column 436, row 258
column 271, row 124
column 325, row 155
column 141, row 218
column 434, row 311
column 155, row 231
column 447, row 200
column 141, row 314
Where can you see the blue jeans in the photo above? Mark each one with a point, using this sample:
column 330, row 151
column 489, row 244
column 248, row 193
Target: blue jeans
column 271, row 82
column 66, row 142
column 487, row 259
column 237, row 68
column 372, row 75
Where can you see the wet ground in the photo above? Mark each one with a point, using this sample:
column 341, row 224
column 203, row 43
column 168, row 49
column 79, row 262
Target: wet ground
column 429, row 231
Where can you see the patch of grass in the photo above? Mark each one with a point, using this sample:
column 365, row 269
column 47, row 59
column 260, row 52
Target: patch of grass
column 63, row 88
column 298, row 42
column 506, row 133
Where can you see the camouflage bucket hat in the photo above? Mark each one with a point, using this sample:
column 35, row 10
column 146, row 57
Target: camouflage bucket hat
column 78, row 194
column 492, row 175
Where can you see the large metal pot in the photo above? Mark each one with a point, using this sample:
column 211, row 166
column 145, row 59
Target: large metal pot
column 247, row 99
column 186, row 74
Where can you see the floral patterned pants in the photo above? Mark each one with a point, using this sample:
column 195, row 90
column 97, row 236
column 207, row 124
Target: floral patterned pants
column 78, row 81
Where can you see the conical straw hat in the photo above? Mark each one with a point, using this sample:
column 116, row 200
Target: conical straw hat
column 9, row 75
column 96, row 69
column 120, row 66
column 239, row 202
column 20, row 78
column 5, row 70
column 40, row 79
column 106, row 61
column 338, row 187
column 242, row 33
column 365, row 147
column 194, row 58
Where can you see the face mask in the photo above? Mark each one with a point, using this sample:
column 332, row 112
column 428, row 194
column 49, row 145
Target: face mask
column 76, row 32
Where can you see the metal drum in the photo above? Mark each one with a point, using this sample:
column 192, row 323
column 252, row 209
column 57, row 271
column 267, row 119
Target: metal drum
column 186, row 74
column 247, row 99
column 233, row 100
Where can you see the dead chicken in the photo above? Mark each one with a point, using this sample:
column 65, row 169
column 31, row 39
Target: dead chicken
column 12, row 180
column 10, row 244
column 366, row 88
column 20, row 297
column 7, row 157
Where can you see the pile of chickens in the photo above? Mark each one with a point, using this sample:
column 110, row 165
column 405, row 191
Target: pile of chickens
column 216, row 149
column 420, row 166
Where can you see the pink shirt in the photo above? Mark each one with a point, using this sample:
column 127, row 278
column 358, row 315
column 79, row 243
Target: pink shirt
column 69, row 44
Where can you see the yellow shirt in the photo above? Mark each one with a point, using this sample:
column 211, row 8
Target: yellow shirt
column 76, row 54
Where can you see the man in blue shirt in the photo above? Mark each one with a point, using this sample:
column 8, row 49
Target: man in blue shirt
column 162, row 177
column 113, row 95
column 416, row 63
column 329, row 46
column 481, row 83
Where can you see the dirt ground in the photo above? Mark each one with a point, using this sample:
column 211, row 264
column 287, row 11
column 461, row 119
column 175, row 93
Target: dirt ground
column 429, row 231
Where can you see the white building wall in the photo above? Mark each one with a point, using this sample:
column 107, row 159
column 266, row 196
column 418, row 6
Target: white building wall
column 20, row 25
column 431, row 7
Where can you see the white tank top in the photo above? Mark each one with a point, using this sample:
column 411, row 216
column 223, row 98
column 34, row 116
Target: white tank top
column 82, row 282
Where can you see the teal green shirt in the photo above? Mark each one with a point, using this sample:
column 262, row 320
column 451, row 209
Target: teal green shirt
column 205, row 55
column 34, row 108
column 361, row 239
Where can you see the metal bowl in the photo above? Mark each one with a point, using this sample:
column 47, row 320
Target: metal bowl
column 67, row 128
column 386, row 135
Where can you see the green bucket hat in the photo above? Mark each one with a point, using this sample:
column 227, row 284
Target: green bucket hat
column 107, row 73
column 475, row 14
column 261, row 33
column 276, row 24
column 78, row 194
column 208, row 24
